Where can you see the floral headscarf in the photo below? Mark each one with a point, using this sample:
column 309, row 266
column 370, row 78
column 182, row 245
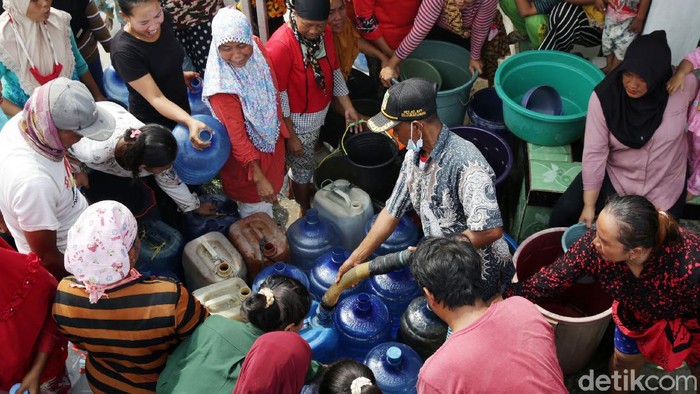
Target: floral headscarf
column 37, row 126
column 252, row 83
column 97, row 251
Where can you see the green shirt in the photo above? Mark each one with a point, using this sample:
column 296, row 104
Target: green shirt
column 210, row 360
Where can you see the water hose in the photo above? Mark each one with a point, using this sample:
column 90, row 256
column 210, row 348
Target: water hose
column 377, row 266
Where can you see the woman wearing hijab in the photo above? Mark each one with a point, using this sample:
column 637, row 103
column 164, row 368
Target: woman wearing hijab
column 241, row 89
column 34, row 352
column 37, row 46
column 128, row 324
column 309, row 76
column 635, row 140
column 276, row 363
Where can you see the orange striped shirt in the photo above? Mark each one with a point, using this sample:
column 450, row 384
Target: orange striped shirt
column 130, row 333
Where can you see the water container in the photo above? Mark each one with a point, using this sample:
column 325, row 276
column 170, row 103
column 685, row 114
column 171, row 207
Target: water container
column 579, row 314
column 363, row 322
column 405, row 235
column 325, row 270
column 319, row 332
column 283, row 269
column 421, row 328
column 115, row 88
column 224, row 298
column 397, row 289
column 261, row 243
column 196, row 167
column 348, row 207
column 495, row 150
column 197, row 106
column 209, row 259
column 310, row 236
column 485, row 110
column 371, row 157
column 226, row 213
column 395, row 366
column 161, row 249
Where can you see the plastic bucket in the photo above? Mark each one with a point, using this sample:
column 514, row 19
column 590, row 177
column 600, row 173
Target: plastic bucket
column 485, row 111
column 371, row 157
column 494, row 148
column 417, row 68
column 579, row 315
column 452, row 62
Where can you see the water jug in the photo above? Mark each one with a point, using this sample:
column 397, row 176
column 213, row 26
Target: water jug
column 405, row 235
column 226, row 213
column 196, row 167
column 161, row 249
column 348, row 207
column 363, row 322
column 309, row 237
column 115, row 88
column 209, row 259
column 224, row 298
column 197, row 106
column 325, row 270
column 421, row 328
column 397, row 289
column 261, row 243
column 319, row 332
column 395, row 366
column 280, row 269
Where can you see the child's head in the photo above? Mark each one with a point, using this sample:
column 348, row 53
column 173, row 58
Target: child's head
column 281, row 304
column 348, row 377
column 151, row 147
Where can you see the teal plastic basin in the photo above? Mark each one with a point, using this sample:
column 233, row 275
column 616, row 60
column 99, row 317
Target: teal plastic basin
column 417, row 68
column 572, row 76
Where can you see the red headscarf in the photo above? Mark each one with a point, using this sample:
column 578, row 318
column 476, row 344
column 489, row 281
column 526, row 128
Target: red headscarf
column 276, row 363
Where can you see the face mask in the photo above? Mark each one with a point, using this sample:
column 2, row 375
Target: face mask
column 415, row 146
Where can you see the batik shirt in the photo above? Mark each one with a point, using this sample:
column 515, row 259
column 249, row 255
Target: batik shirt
column 454, row 192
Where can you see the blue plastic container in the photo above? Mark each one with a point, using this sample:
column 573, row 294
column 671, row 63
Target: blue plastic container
column 363, row 322
column 572, row 234
column 397, row 289
column 512, row 245
column 405, row 235
column 325, row 270
column 280, row 269
column 226, row 214
column 161, row 250
column 197, row 106
column 319, row 332
column 543, row 99
column 115, row 88
column 421, row 328
column 196, row 167
column 309, row 237
column 395, row 366
column 485, row 111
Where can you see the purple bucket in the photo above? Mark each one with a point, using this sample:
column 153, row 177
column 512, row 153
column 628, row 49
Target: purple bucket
column 494, row 148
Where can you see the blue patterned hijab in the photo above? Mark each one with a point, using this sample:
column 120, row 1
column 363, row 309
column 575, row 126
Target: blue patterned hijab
column 252, row 83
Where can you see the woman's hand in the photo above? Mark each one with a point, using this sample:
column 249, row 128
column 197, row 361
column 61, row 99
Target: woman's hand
column 195, row 126
column 189, row 76
column 387, row 74
column 587, row 215
column 601, row 5
column 676, row 82
column 476, row 66
column 30, row 382
column 206, row 209
column 265, row 190
column 351, row 116
column 294, row 146
column 637, row 25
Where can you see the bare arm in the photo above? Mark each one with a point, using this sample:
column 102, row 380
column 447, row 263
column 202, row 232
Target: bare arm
column 31, row 381
column 43, row 244
column 480, row 239
column 526, row 8
column 638, row 22
column 86, row 78
column 369, row 49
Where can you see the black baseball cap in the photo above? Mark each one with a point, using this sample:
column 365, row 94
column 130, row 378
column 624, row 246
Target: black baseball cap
column 412, row 99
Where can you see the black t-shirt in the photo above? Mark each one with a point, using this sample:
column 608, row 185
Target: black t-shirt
column 133, row 59
column 76, row 9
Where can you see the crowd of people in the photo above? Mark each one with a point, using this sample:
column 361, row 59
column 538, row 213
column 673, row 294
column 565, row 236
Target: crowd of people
column 81, row 173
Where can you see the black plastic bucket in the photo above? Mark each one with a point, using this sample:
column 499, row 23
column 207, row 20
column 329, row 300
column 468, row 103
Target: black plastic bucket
column 371, row 157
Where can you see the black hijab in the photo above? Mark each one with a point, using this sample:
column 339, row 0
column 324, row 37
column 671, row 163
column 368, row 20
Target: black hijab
column 634, row 121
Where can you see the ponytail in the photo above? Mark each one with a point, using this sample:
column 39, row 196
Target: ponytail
column 152, row 146
column 281, row 301
column 668, row 229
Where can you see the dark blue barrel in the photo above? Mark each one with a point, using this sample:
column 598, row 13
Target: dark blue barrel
column 395, row 366
column 485, row 111
column 226, row 214
column 421, row 329
column 325, row 270
column 161, row 250
column 280, row 269
column 309, row 237
column 197, row 106
column 397, row 289
column 196, row 167
column 404, row 235
column 363, row 322
column 319, row 332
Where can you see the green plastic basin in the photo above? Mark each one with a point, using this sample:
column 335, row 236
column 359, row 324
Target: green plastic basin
column 572, row 76
column 417, row 68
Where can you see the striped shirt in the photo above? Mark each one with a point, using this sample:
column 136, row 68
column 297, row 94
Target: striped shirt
column 130, row 333
column 478, row 17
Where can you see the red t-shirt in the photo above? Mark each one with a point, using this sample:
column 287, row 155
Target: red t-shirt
column 509, row 349
column 391, row 19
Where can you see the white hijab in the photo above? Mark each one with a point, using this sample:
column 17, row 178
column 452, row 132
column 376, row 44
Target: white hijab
column 33, row 35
